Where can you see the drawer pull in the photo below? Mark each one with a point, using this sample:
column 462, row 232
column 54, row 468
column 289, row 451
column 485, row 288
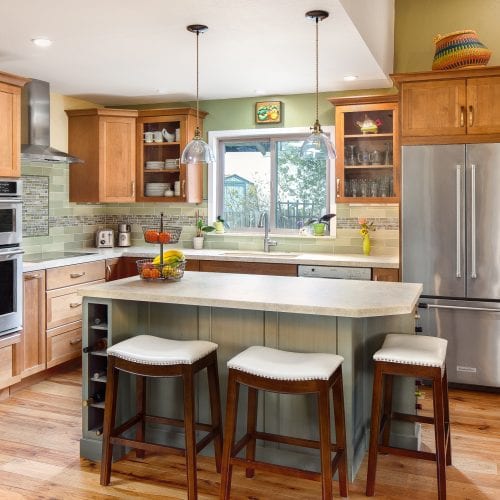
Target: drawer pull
column 75, row 341
column 32, row 277
column 77, row 275
column 75, row 304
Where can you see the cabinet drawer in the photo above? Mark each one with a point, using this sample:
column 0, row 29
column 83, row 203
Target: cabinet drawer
column 64, row 343
column 64, row 305
column 75, row 274
column 9, row 361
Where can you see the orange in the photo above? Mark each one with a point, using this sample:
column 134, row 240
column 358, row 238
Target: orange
column 164, row 237
column 151, row 236
column 155, row 273
column 146, row 273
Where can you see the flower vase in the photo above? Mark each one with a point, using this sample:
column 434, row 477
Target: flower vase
column 366, row 245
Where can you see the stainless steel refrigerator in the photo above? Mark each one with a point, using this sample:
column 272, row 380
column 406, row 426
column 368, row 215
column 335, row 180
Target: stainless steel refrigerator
column 450, row 217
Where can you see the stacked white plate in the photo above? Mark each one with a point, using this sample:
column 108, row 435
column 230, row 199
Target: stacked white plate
column 156, row 188
column 155, row 165
column 172, row 164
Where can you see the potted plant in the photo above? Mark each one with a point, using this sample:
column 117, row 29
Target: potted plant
column 319, row 224
column 201, row 229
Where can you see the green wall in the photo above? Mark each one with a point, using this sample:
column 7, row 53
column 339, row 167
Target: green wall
column 417, row 22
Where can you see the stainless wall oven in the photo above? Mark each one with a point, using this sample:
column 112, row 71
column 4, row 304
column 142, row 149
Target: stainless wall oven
column 11, row 264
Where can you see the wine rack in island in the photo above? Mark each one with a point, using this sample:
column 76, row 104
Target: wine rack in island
column 367, row 144
column 103, row 324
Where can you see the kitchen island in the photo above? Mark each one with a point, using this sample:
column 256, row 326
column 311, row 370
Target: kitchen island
column 349, row 318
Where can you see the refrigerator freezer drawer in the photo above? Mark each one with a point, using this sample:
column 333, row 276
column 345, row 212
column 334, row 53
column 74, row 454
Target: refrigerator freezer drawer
column 473, row 333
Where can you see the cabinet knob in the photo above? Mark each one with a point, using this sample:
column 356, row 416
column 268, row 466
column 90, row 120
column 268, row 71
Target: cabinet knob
column 338, row 187
column 75, row 304
column 471, row 116
column 32, row 277
column 77, row 275
column 75, row 341
column 462, row 116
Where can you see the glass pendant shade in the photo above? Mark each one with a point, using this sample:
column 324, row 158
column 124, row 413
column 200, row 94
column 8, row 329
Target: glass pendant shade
column 317, row 147
column 197, row 151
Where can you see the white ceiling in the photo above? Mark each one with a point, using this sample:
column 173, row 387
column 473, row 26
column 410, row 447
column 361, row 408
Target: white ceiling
column 126, row 51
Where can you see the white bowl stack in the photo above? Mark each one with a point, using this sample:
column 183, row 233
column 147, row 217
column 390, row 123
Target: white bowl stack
column 156, row 188
column 172, row 164
column 155, row 165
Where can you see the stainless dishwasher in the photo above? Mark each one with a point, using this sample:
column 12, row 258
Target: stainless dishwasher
column 336, row 272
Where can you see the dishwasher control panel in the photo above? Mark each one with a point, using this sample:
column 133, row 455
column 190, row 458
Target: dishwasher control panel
column 336, row 272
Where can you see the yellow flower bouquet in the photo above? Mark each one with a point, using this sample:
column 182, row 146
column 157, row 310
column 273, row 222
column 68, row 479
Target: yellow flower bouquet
column 366, row 227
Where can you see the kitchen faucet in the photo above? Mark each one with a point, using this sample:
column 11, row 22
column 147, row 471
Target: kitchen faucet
column 264, row 222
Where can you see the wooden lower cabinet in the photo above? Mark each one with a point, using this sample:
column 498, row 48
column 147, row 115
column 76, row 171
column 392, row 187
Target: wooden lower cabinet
column 223, row 266
column 112, row 269
column 10, row 370
column 32, row 346
column 385, row 274
column 64, row 343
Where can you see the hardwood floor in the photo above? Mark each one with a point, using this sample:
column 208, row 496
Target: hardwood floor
column 40, row 427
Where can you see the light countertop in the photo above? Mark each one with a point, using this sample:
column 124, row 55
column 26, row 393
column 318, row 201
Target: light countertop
column 318, row 259
column 346, row 298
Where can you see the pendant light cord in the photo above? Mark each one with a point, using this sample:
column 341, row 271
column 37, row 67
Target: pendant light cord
column 197, row 80
column 317, row 71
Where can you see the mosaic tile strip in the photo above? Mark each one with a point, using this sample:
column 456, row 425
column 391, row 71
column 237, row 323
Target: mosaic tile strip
column 379, row 222
column 36, row 205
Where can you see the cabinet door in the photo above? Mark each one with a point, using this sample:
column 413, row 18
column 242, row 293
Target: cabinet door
column 33, row 339
column 433, row 108
column 117, row 159
column 240, row 267
column 113, row 269
column 10, row 131
column 483, row 105
column 384, row 274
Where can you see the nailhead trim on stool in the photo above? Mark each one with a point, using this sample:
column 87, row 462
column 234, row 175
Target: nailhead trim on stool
column 149, row 356
column 264, row 368
column 416, row 356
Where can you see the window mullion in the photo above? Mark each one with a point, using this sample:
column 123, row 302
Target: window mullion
column 273, row 187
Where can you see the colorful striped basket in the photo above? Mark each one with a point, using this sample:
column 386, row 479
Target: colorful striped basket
column 459, row 49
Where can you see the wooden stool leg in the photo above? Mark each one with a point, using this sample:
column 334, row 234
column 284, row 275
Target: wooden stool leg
column 251, row 427
column 109, row 421
column 387, row 410
column 374, row 431
column 215, row 410
column 447, row 416
column 339, row 413
column 325, row 441
column 189, row 421
column 233, row 389
column 439, row 431
column 141, row 410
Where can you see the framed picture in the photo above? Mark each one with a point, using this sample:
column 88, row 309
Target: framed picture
column 268, row 112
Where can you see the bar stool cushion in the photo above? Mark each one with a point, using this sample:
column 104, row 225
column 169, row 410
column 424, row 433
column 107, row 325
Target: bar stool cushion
column 283, row 365
column 412, row 350
column 151, row 350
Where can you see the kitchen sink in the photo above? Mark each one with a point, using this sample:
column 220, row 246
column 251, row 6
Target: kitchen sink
column 237, row 253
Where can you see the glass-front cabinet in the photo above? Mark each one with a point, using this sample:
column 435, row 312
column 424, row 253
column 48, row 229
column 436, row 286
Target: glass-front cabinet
column 162, row 135
column 367, row 146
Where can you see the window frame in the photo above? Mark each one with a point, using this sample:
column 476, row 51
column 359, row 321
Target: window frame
column 215, row 188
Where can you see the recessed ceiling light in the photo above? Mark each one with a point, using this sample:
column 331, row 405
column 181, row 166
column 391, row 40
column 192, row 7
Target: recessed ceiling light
column 42, row 41
column 350, row 78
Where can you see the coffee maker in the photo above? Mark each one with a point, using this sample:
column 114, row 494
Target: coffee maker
column 124, row 236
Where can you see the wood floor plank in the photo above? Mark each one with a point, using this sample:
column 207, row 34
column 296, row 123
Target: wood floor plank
column 40, row 428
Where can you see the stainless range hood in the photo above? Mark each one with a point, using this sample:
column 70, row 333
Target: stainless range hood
column 36, row 112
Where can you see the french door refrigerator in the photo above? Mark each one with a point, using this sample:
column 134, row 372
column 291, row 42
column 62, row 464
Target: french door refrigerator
column 450, row 217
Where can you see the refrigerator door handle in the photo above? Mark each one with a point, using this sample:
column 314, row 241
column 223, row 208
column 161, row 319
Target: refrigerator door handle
column 463, row 308
column 459, row 224
column 473, row 273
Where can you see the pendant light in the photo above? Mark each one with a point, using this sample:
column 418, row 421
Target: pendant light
column 317, row 146
column 197, row 151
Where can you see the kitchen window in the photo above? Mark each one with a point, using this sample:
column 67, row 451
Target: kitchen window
column 261, row 171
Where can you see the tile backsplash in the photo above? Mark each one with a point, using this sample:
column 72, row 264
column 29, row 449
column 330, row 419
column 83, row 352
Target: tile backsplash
column 60, row 225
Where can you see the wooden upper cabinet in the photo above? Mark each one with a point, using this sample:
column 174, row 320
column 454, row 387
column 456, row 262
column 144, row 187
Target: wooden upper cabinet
column 446, row 107
column 105, row 140
column 10, row 124
column 179, row 125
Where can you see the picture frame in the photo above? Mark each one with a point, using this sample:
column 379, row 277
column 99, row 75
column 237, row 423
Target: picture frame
column 268, row 112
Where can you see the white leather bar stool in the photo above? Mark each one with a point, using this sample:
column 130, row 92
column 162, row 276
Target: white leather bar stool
column 263, row 368
column 410, row 356
column 148, row 356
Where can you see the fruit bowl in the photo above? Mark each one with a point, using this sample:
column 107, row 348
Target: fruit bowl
column 150, row 271
column 169, row 234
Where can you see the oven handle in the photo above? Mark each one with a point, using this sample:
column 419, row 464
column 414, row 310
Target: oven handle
column 10, row 200
column 463, row 308
column 6, row 254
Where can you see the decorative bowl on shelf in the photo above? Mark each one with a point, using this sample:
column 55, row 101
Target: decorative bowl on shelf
column 150, row 271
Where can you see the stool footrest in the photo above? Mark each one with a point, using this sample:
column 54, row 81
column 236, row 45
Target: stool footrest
column 142, row 445
column 175, row 422
column 277, row 469
column 404, row 452
column 306, row 443
column 412, row 418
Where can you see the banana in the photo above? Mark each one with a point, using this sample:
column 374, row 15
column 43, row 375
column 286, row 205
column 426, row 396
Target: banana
column 170, row 257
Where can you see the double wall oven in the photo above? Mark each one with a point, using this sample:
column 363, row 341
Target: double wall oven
column 11, row 264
